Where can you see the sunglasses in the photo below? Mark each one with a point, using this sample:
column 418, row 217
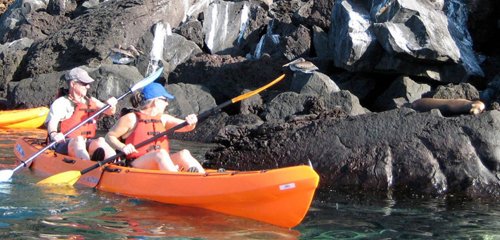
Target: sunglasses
column 83, row 84
column 163, row 99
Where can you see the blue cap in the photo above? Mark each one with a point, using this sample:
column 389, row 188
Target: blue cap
column 155, row 90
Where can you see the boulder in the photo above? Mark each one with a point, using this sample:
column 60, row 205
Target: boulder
column 352, row 48
column 401, row 92
column 228, row 26
column 315, row 83
column 454, row 91
column 414, row 34
column 189, row 99
column 290, row 104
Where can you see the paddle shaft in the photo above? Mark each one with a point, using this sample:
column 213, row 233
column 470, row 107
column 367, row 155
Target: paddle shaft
column 201, row 117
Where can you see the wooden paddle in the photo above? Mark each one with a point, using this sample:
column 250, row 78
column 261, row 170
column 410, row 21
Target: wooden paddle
column 71, row 177
column 6, row 174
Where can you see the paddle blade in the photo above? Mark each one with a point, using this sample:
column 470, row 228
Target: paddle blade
column 149, row 79
column 5, row 175
column 64, row 178
column 258, row 90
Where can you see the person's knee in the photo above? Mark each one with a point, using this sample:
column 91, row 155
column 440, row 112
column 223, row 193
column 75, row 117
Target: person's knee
column 161, row 155
column 100, row 141
column 185, row 153
column 163, row 159
column 77, row 148
column 77, row 143
column 79, row 139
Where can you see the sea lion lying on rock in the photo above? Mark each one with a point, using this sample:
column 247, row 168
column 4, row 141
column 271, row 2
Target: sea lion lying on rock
column 448, row 106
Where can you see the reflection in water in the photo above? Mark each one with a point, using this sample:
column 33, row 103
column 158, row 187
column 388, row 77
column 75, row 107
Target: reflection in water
column 56, row 193
column 116, row 216
column 7, row 139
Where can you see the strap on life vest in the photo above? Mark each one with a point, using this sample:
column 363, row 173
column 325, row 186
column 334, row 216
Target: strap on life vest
column 82, row 111
column 145, row 128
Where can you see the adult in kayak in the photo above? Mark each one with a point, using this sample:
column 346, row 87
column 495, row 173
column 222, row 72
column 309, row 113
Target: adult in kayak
column 69, row 110
column 147, row 120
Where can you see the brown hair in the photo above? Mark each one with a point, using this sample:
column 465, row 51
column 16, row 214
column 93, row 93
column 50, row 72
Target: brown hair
column 137, row 99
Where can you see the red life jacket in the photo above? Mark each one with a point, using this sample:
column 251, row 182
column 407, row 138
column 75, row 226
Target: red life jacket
column 82, row 111
column 146, row 127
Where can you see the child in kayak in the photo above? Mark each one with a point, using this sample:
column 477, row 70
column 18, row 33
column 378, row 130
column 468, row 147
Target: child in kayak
column 148, row 120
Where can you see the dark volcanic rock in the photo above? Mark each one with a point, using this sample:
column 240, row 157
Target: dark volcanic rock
column 227, row 77
column 315, row 13
column 205, row 131
column 110, row 80
column 192, row 30
column 189, row 99
column 91, row 35
column 35, row 92
column 398, row 151
column 462, row 90
column 10, row 58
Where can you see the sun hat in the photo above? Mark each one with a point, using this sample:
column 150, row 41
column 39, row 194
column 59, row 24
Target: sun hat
column 155, row 90
column 78, row 74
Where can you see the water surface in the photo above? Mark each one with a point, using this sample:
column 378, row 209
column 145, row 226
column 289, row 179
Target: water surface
column 28, row 211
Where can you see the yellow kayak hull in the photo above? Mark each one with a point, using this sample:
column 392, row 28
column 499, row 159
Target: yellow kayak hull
column 23, row 119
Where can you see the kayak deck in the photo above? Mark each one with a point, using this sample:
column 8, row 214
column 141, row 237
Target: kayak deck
column 279, row 196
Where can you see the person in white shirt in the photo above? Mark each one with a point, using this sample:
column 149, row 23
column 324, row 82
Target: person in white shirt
column 72, row 109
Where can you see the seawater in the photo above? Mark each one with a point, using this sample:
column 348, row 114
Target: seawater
column 28, row 211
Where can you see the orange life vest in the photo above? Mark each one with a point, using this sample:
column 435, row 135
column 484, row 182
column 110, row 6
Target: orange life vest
column 82, row 111
column 146, row 127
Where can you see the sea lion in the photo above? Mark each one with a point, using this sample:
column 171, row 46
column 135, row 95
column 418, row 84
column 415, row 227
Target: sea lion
column 449, row 106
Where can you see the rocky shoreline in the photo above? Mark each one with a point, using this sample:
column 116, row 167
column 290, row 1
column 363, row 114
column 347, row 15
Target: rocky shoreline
column 345, row 109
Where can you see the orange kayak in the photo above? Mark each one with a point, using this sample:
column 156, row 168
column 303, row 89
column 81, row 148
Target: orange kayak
column 23, row 119
column 278, row 196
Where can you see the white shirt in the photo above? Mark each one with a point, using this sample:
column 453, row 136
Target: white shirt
column 60, row 110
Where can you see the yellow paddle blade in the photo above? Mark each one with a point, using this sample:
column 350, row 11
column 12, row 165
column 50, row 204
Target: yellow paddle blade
column 258, row 90
column 64, row 178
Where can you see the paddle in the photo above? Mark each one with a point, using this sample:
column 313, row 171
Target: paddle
column 6, row 174
column 71, row 177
